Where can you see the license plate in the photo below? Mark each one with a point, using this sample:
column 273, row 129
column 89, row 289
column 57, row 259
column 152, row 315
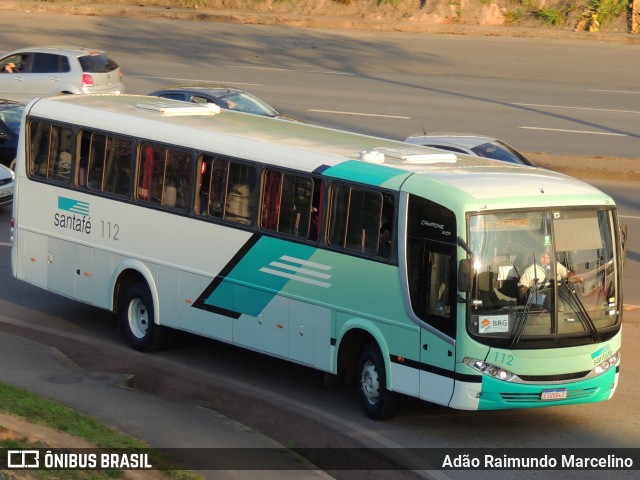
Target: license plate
column 6, row 192
column 554, row 394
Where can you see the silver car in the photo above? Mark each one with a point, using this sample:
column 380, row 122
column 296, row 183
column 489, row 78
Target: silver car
column 7, row 178
column 478, row 145
column 48, row 71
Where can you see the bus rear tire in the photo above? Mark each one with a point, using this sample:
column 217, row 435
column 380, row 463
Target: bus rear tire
column 138, row 320
column 377, row 401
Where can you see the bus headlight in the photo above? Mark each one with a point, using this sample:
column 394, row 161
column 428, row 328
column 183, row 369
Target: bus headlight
column 489, row 370
column 608, row 363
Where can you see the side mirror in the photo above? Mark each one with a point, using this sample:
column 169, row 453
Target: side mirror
column 464, row 275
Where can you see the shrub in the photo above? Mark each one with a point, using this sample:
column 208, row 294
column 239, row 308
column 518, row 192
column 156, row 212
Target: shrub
column 552, row 17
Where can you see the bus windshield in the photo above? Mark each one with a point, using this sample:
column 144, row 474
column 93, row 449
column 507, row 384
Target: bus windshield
column 543, row 278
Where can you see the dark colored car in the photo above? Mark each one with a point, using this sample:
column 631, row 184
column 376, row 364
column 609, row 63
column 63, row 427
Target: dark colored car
column 225, row 97
column 10, row 119
column 478, row 145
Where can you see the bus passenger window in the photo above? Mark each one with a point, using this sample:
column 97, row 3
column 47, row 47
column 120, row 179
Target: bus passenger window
column 165, row 176
column 287, row 203
column 357, row 218
column 105, row 163
column 226, row 190
column 51, row 151
column 241, row 186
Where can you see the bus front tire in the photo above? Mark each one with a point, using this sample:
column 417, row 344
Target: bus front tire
column 377, row 401
column 138, row 320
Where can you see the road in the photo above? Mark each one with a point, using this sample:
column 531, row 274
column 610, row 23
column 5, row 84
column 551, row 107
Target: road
column 585, row 95
column 561, row 97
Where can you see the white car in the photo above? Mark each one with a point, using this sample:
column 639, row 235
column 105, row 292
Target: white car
column 48, row 71
column 7, row 180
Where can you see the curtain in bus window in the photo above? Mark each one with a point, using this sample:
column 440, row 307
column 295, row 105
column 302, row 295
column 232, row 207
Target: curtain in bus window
column 339, row 214
column 240, row 193
column 40, row 135
column 151, row 176
column 218, row 187
column 61, row 154
column 271, row 200
column 177, row 182
column 95, row 167
column 117, row 175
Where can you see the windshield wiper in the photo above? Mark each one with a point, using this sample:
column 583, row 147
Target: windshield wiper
column 578, row 306
column 521, row 318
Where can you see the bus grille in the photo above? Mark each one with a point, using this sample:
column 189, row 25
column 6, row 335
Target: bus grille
column 535, row 397
column 554, row 378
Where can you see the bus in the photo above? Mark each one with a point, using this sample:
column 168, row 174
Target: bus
column 400, row 268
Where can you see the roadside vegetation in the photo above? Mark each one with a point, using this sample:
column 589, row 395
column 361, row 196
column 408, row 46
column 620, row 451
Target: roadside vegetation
column 51, row 414
column 577, row 15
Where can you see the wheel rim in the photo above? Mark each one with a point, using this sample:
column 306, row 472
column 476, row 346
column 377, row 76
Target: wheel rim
column 370, row 382
column 138, row 318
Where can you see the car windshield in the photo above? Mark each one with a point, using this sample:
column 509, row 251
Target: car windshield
column 97, row 63
column 543, row 278
column 501, row 151
column 243, row 102
column 12, row 117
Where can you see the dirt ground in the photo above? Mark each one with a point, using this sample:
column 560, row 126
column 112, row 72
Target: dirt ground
column 413, row 14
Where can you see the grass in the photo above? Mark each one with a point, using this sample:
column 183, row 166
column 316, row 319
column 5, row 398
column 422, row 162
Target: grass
column 59, row 417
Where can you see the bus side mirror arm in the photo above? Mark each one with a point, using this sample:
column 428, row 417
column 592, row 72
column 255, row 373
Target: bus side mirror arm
column 464, row 269
column 464, row 275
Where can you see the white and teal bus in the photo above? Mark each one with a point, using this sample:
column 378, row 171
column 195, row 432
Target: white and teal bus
column 404, row 268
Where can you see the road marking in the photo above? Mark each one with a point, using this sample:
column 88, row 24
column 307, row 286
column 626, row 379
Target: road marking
column 359, row 114
column 189, row 80
column 575, row 131
column 324, row 72
column 575, row 108
column 611, row 91
column 4, row 244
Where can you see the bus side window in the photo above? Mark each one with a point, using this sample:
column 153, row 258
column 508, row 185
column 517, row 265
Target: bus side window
column 117, row 176
column 165, row 176
column 51, row 150
column 226, row 190
column 240, row 198
column 287, row 203
column 357, row 217
column 105, row 163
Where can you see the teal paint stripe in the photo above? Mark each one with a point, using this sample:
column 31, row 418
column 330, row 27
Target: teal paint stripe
column 362, row 172
column 272, row 264
column 71, row 205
